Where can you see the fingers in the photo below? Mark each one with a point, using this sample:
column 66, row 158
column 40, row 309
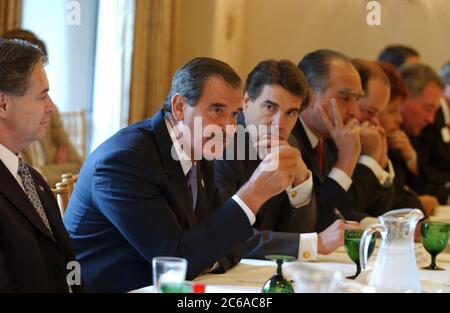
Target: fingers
column 336, row 115
column 328, row 123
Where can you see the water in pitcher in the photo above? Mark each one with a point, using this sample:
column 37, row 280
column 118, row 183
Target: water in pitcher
column 395, row 268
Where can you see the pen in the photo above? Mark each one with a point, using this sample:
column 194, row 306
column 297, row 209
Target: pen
column 339, row 214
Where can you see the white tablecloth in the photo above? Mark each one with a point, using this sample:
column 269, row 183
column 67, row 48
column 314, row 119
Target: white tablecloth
column 250, row 275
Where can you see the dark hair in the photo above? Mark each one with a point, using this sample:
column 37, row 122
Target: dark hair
column 316, row 68
column 283, row 73
column 397, row 54
column 18, row 59
column 27, row 36
column 398, row 87
column 418, row 76
column 190, row 79
column 369, row 70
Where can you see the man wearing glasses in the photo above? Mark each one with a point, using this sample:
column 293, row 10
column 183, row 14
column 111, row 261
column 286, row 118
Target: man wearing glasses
column 329, row 134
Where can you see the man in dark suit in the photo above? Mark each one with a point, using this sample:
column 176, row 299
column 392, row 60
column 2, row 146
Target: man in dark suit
column 35, row 250
column 273, row 96
column 425, row 91
column 330, row 137
column 148, row 191
column 433, row 143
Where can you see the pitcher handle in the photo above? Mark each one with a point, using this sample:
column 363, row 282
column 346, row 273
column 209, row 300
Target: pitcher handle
column 365, row 241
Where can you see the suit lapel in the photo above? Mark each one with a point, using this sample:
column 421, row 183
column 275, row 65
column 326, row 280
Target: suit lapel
column 15, row 194
column 201, row 210
column 172, row 168
column 308, row 154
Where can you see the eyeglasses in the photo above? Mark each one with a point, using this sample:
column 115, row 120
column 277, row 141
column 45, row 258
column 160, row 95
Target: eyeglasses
column 347, row 93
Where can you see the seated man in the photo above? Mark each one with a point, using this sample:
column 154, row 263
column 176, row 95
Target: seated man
column 274, row 93
column 329, row 135
column 434, row 141
column 399, row 55
column 399, row 146
column 54, row 154
column 425, row 90
column 35, row 250
column 146, row 191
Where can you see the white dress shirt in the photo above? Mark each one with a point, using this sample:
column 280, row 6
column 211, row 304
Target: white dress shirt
column 186, row 164
column 11, row 162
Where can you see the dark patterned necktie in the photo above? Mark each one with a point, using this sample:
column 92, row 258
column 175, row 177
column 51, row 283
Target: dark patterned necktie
column 30, row 191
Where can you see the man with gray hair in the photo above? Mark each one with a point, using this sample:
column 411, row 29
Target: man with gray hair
column 138, row 198
column 35, row 249
column 332, row 140
column 425, row 90
column 434, row 141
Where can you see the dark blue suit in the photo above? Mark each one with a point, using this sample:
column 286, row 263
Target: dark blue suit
column 132, row 203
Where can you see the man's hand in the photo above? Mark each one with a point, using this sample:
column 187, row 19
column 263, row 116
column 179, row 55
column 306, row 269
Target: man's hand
column 301, row 172
column 275, row 173
column 371, row 141
column 346, row 138
column 429, row 203
column 333, row 237
column 62, row 155
column 398, row 140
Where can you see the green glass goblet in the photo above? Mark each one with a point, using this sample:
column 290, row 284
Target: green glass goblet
column 352, row 239
column 277, row 283
column 434, row 239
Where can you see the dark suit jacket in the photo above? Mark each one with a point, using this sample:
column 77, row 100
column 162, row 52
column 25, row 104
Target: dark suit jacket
column 31, row 260
column 280, row 222
column 131, row 203
column 404, row 196
column 434, row 160
column 434, row 152
column 328, row 193
column 366, row 197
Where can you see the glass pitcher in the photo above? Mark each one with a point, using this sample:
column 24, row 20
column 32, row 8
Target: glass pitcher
column 395, row 268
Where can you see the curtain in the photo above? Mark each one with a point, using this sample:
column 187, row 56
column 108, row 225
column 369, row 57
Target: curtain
column 152, row 56
column 10, row 15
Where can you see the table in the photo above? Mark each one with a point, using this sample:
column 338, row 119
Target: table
column 250, row 275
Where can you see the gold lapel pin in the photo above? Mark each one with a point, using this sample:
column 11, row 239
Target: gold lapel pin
column 203, row 183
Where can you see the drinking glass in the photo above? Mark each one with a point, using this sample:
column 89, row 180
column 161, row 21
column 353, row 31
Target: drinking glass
column 352, row 238
column 169, row 274
column 277, row 283
column 434, row 239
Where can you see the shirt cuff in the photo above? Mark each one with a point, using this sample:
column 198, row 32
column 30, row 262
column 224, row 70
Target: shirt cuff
column 384, row 178
column 301, row 195
column 250, row 215
column 367, row 221
column 307, row 250
column 341, row 178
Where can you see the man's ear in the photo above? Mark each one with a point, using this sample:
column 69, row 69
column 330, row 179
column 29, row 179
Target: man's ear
column 3, row 105
column 178, row 105
column 246, row 101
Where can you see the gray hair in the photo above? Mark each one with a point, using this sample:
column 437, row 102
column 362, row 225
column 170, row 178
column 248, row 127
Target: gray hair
column 444, row 72
column 18, row 58
column 190, row 79
column 418, row 76
column 316, row 67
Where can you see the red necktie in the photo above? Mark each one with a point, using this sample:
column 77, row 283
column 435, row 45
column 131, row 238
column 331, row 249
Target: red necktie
column 319, row 154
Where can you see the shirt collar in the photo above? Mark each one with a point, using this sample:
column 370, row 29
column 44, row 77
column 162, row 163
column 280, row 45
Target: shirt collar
column 311, row 137
column 184, row 159
column 10, row 160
